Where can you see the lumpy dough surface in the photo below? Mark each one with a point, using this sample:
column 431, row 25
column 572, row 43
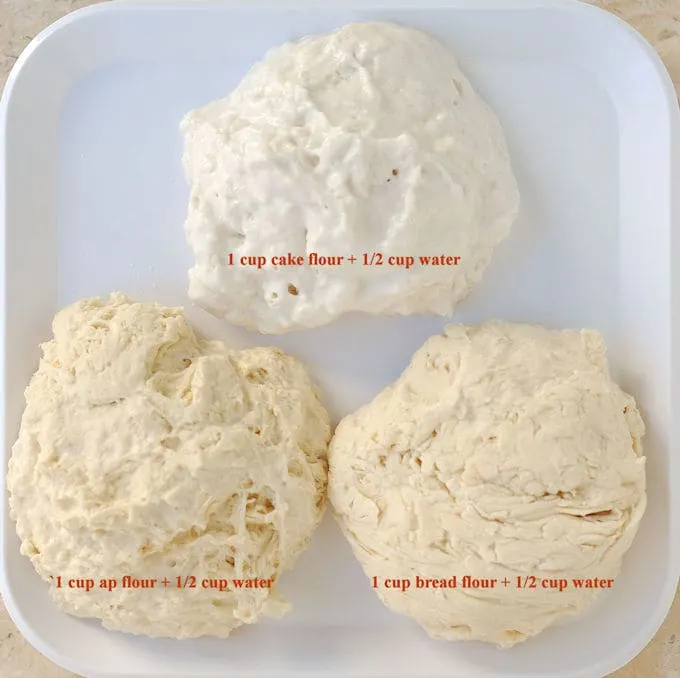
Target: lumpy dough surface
column 503, row 450
column 366, row 141
column 148, row 452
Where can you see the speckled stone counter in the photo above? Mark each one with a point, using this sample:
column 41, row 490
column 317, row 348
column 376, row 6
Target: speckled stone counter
column 657, row 20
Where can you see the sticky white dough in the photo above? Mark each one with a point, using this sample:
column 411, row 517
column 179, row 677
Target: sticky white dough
column 368, row 143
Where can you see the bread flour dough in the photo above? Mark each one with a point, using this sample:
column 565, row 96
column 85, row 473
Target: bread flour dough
column 503, row 451
column 368, row 143
column 145, row 451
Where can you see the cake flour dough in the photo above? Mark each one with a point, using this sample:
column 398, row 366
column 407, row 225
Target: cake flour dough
column 368, row 143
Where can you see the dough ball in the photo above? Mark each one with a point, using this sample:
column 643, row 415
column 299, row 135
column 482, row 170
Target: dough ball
column 502, row 451
column 368, row 141
column 145, row 451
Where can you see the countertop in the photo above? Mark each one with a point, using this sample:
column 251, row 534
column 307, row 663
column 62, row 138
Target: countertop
column 657, row 20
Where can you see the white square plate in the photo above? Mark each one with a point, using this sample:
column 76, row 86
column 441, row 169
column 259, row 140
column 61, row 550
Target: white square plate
column 94, row 200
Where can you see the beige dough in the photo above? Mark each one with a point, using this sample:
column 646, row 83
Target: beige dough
column 148, row 452
column 503, row 450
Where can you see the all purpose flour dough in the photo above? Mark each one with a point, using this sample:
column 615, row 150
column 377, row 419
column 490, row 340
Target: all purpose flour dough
column 503, row 450
column 145, row 451
column 368, row 141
